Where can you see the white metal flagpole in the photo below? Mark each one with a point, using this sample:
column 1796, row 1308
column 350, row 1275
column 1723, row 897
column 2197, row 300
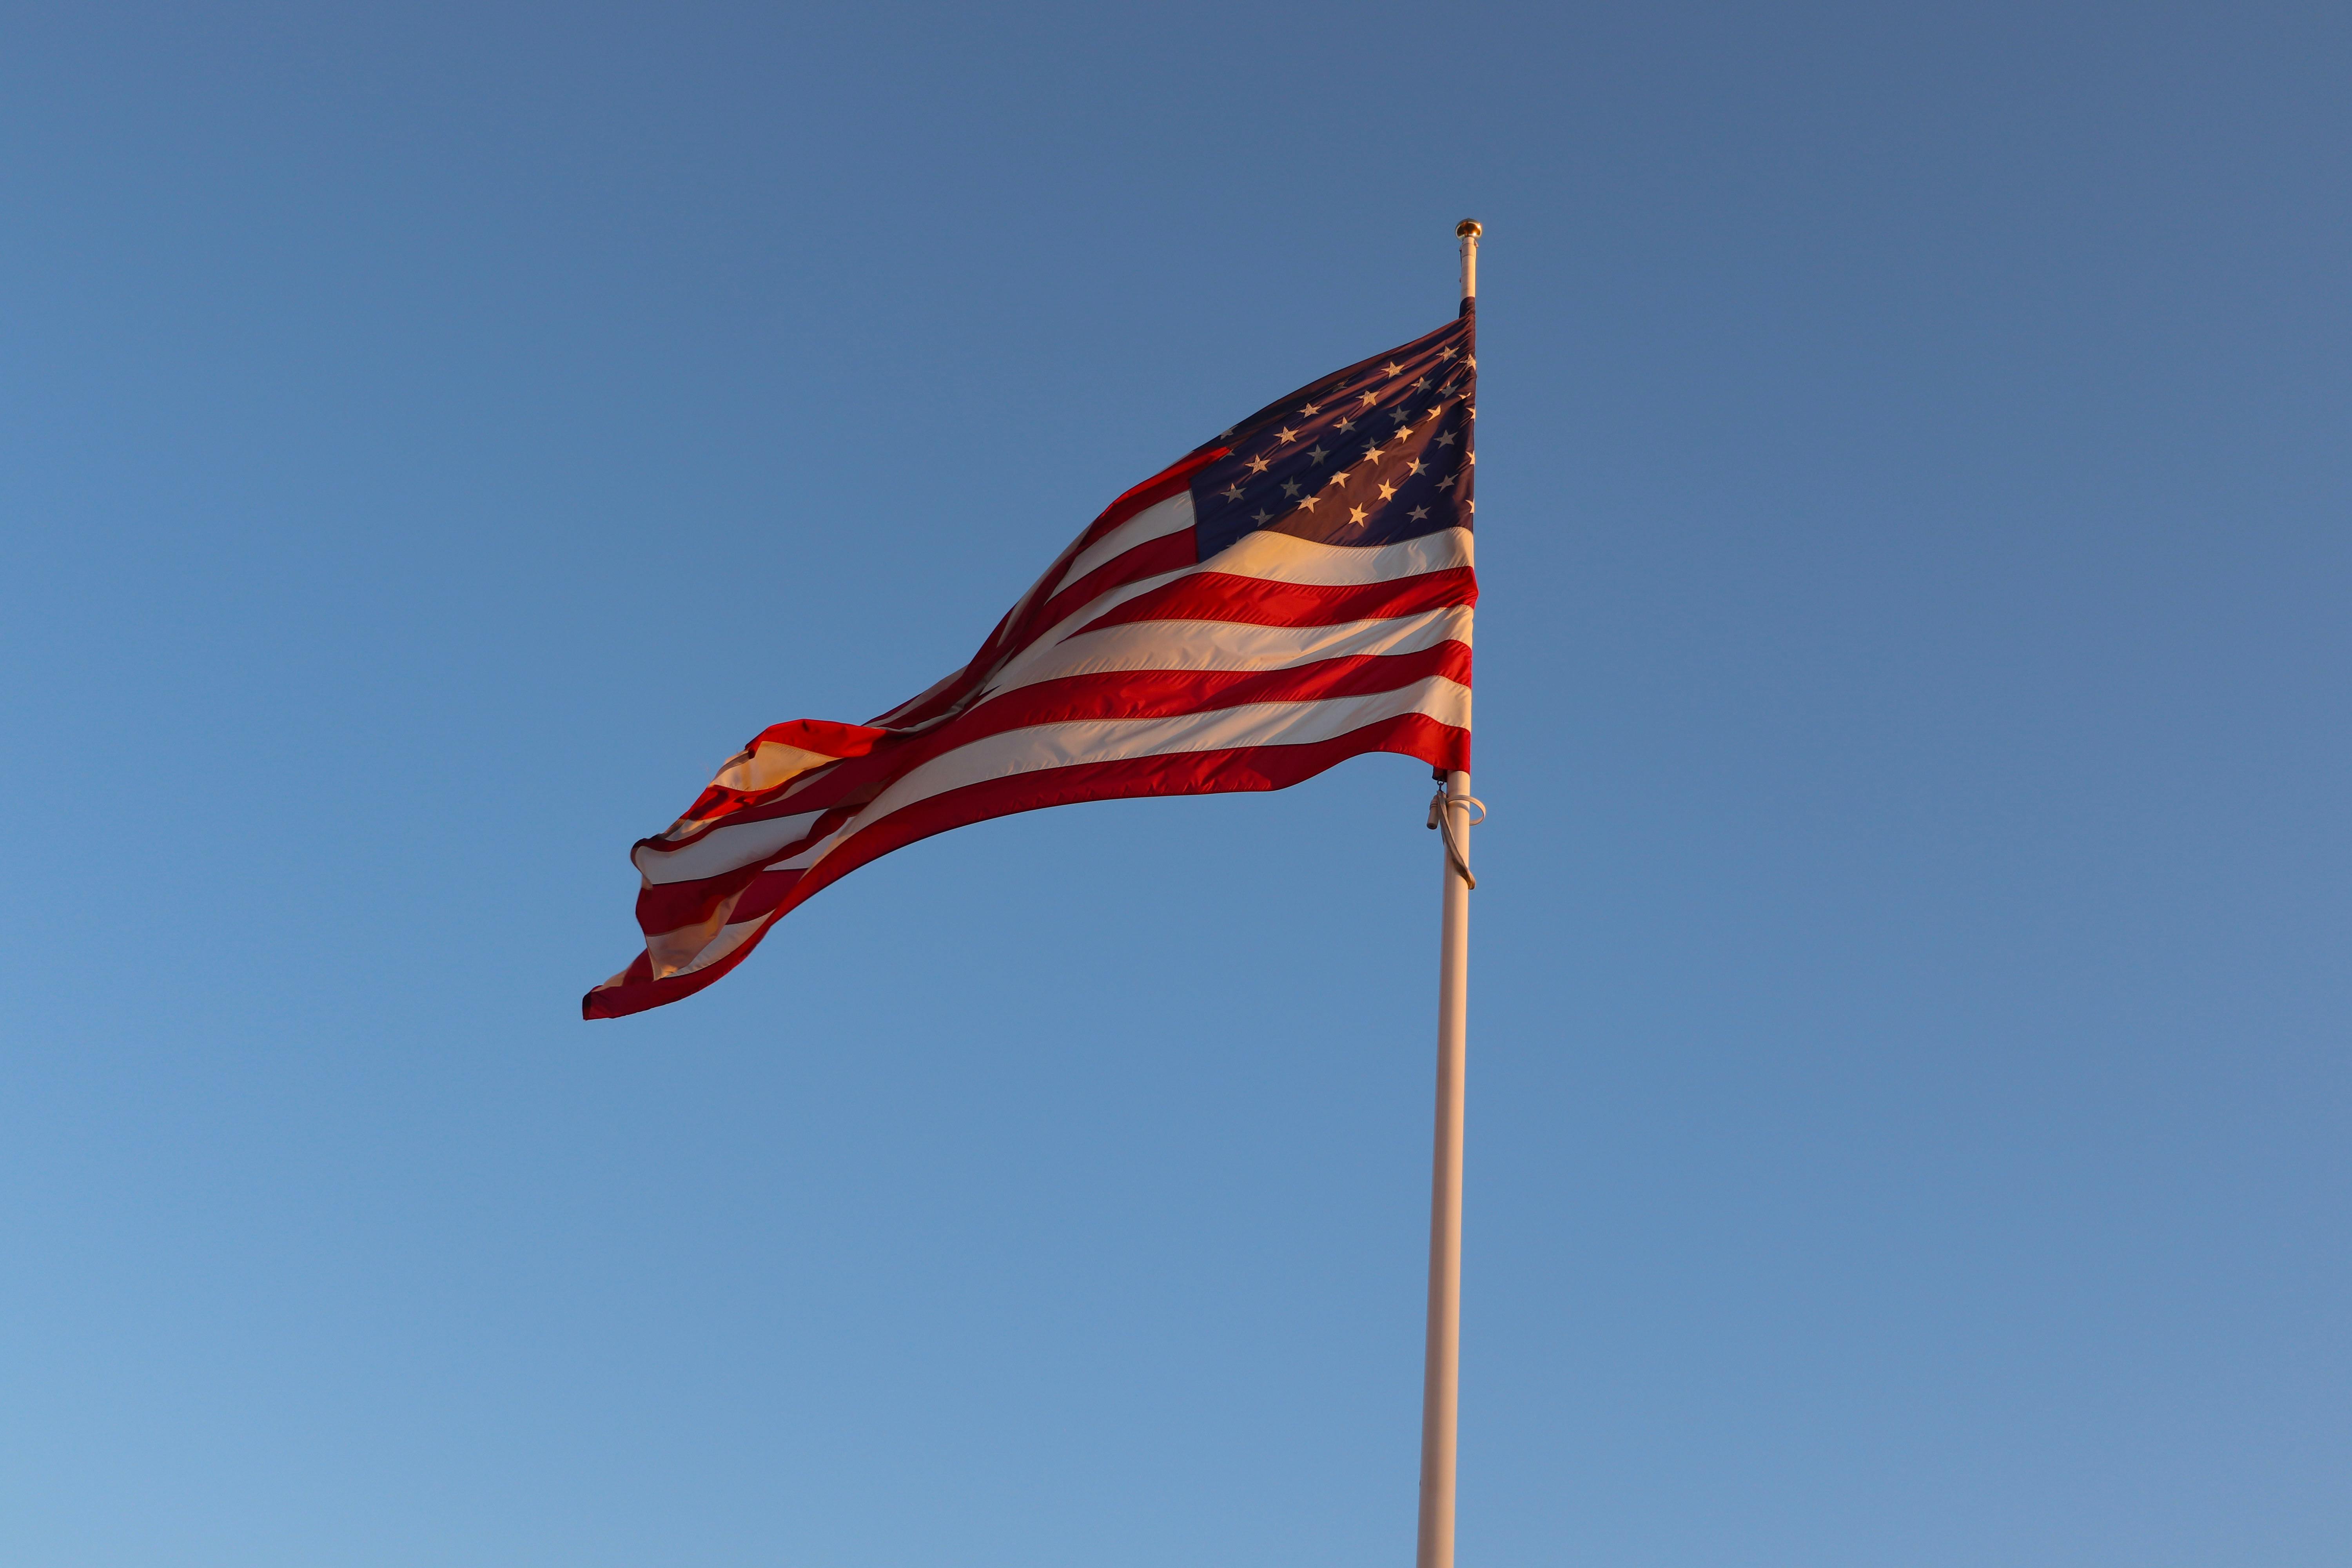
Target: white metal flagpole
column 1440, row 1376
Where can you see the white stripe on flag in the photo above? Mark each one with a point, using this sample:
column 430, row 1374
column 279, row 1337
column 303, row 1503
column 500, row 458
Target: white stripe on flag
column 1227, row 645
column 1281, row 558
column 1063, row 745
column 724, row 849
column 1153, row 521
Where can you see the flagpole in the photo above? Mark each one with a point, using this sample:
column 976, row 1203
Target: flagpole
column 1440, row 1373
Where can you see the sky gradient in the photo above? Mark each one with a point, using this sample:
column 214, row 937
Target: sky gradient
column 1908, row 1078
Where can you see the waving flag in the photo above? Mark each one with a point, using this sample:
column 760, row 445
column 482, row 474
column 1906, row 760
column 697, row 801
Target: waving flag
column 1296, row 592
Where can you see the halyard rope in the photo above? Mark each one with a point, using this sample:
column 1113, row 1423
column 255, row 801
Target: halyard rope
column 1440, row 817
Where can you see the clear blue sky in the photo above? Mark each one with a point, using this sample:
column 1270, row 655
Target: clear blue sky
column 1909, row 1081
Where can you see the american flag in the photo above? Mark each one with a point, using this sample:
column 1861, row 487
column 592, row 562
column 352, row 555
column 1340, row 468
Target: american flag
column 1293, row 593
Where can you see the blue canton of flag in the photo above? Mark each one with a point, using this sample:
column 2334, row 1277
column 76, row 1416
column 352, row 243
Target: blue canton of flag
column 1377, row 453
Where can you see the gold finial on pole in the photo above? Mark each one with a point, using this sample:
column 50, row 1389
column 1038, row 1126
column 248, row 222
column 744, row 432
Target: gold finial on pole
column 1468, row 231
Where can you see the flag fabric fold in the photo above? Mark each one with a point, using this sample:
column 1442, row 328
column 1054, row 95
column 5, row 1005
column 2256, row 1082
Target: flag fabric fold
column 1296, row 590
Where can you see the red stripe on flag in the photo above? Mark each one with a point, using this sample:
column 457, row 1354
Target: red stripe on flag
column 1168, row 553
column 823, row 737
column 669, row 906
column 1025, row 622
column 1116, row 694
column 1102, row 695
column 1442, row 746
column 1170, row 481
column 1172, row 693
column 1259, row 602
